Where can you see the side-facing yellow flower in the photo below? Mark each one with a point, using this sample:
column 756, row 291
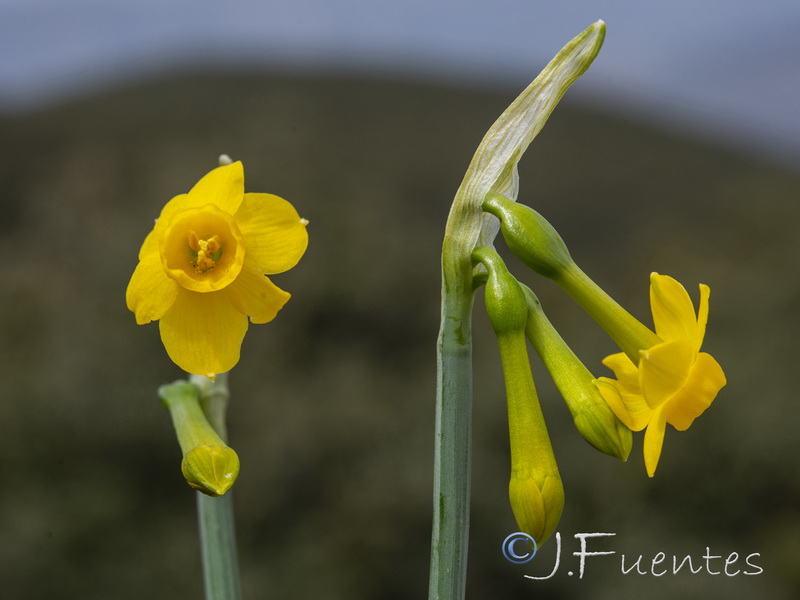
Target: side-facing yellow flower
column 202, row 268
column 674, row 382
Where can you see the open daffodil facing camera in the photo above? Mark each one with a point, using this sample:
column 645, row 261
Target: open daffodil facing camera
column 661, row 376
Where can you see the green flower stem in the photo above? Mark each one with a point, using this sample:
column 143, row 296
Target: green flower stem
column 626, row 331
column 214, row 397
column 215, row 515
column 453, row 456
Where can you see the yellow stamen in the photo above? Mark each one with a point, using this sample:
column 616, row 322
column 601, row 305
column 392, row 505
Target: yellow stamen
column 208, row 251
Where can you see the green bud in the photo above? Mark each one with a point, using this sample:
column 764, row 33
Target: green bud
column 208, row 464
column 529, row 235
column 505, row 302
column 593, row 418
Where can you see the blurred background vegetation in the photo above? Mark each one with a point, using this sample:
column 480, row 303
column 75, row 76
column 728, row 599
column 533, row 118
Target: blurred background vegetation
column 333, row 403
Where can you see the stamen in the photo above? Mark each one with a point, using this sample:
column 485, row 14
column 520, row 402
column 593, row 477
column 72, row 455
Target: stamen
column 205, row 253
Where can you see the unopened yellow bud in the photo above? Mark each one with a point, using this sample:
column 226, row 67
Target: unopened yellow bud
column 537, row 506
column 593, row 418
column 208, row 464
column 210, row 469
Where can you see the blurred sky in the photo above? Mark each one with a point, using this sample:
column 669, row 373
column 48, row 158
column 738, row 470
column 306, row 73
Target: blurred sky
column 728, row 70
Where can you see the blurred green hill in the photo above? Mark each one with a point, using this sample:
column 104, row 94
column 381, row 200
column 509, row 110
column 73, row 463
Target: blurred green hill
column 332, row 409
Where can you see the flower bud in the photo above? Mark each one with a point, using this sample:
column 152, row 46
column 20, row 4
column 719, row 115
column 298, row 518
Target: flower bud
column 537, row 504
column 505, row 302
column 535, row 490
column 208, row 464
column 529, row 235
column 593, row 418
column 210, row 469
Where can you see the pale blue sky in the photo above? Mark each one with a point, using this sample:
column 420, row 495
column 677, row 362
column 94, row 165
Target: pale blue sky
column 725, row 69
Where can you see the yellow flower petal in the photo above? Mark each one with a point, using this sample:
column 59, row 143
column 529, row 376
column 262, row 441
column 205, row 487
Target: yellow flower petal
column 627, row 373
column 631, row 409
column 150, row 292
column 276, row 235
column 203, row 332
column 702, row 316
column 654, row 441
column 255, row 295
column 150, row 244
column 663, row 370
column 209, row 193
column 174, row 206
column 705, row 380
column 673, row 311
column 224, row 187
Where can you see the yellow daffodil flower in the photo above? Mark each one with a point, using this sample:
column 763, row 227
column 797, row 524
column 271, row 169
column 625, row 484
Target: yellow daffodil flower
column 674, row 382
column 202, row 268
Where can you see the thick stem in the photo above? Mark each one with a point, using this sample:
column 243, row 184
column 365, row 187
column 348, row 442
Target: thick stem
column 218, row 547
column 452, row 460
column 215, row 515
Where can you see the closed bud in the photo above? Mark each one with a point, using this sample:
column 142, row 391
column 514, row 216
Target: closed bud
column 593, row 418
column 529, row 235
column 505, row 302
column 210, row 469
column 537, row 504
column 208, row 464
